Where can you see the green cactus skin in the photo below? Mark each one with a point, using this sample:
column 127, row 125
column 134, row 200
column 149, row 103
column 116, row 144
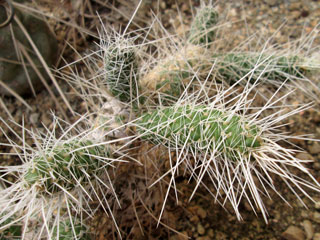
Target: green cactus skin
column 60, row 166
column 201, row 31
column 234, row 66
column 13, row 232
column 66, row 232
column 173, row 85
column 121, row 69
column 200, row 127
column 170, row 77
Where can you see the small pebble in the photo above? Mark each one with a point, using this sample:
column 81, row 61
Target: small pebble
column 210, row 233
column 316, row 217
column 201, row 212
column 316, row 236
column 200, row 229
column 163, row 5
column 203, row 238
column 308, row 228
column 316, row 166
column 314, row 148
column 271, row 2
column 293, row 233
column 34, row 117
column 304, row 156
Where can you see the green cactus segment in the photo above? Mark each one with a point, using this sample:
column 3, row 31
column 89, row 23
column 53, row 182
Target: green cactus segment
column 67, row 230
column 170, row 78
column 200, row 127
column 173, row 85
column 121, row 69
column 233, row 66
column 202, row 27
column 65, row 167
column 13, row 232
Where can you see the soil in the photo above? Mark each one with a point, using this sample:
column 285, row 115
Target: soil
column 201, row 218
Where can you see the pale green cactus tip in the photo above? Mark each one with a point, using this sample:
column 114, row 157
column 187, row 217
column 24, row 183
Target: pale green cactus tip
column 200, row 127
column 70, row 230
column 233, row 66
column 12, row 232
column 121, row 70
column 224, row 144
column 202, row 30
column 64, row 166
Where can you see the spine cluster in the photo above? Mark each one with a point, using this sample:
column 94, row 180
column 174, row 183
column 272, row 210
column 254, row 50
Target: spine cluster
column 226, row 138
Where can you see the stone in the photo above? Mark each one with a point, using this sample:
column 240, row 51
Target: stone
column 316, row 217
column 200, row 229
column 201, row 212
column 163, row 5
column 314, row 148
column 316, row 236
column 203, row 238
column 271, row 2
column 211, row 233
column 304, row 156
column 34, row 117
column 293, row 233
column 12, row 72
column 316, row 166
column 308, row 228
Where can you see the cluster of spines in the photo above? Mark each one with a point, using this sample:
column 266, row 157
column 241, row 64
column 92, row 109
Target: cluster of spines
column 68, row 229
column 202, row 30
column 56, row 181
column 12, row 232
column 120, row 62
column 199, row 127
column 233, row 66
column 65, row 166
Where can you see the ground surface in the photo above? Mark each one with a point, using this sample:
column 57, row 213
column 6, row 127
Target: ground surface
column 202, row 218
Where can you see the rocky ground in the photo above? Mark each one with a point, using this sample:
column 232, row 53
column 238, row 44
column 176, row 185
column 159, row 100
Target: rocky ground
column 202, row 218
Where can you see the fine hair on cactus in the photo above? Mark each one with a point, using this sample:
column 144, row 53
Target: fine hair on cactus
column 120, row 66
column 67, row 229
column 163, row 112
column 204, row 25
column 60, row 177
column 182, row 62
column 228, row 143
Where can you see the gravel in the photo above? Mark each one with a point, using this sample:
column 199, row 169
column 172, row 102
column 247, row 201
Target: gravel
column 202, row 217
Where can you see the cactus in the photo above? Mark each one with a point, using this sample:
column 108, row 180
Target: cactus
column 202, row 30
column 121, row 69
column 228, row 147
column 70, row 230
column 62, row 176
column 12, row 232
column 64, row 166
column 224, row 141
column 172, row 75
column 200, row 127
column 233, row 66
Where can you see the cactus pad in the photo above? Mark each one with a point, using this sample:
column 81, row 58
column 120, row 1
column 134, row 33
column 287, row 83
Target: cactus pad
column 121, row 69
column 200, row 127
column 61, row 167
column 201, row 30
column 67, row 231
column 233, row 66
column 12, row 232
column 170, row 77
